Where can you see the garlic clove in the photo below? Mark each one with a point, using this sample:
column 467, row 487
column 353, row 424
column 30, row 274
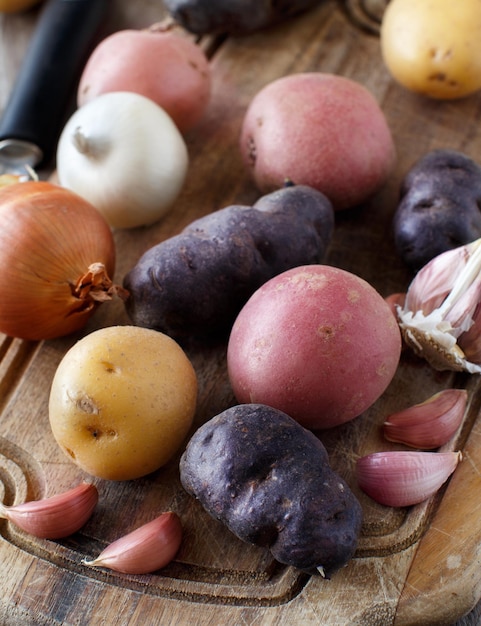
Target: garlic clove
column 403, row 478
column 470, row 340
column 433, row 283
column 440, row 317
column 55, row 517
column 429, row 424
column 146, row 549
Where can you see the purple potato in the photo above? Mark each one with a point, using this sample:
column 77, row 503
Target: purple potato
column 440, row 207
column 234, row 17
column 269, row 481
column 193, row 285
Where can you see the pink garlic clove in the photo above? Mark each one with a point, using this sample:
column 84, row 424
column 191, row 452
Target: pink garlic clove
column 146, row 549
column 403, row 478
column 429, row 424
column 55, row 517
column 435, row 281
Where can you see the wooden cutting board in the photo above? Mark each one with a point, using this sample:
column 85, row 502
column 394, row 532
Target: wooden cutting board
column 413, row 566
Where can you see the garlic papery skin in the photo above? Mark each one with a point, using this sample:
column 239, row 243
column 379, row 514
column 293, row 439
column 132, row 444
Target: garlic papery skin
column 124, row 154
column 55, row 517
column 146, row 549
column 403, row 478
column 429, row 424
column 440, row 317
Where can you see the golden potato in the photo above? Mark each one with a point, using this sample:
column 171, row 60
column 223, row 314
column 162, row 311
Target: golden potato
column 122, row 401
column 433, row 47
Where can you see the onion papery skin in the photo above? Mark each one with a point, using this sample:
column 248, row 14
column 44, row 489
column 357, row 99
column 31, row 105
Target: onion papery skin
column 49, row 236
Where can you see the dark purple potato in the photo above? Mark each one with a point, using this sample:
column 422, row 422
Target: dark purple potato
column 269, row 481
column 193, row 285
column 235, row 17
column 440, row 207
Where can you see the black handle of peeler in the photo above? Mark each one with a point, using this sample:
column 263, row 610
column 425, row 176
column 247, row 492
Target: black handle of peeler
column 48, row 78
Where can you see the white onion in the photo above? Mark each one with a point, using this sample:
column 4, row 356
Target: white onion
column 124, row 154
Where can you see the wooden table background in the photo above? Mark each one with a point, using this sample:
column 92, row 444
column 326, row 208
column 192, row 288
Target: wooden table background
column 414, row 566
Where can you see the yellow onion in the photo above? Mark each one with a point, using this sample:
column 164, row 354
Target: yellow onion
column 57, row 255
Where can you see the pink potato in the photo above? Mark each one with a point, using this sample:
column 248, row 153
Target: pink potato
column 321, row 130
column 316, row 342
column 162, row 65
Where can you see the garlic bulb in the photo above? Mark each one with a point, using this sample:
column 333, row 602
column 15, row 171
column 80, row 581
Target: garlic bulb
column 440, row 318
column 124, row 154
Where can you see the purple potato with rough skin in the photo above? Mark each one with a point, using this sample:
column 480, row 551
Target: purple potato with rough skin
column 234, row 17
column 193, row 285
column 439, row 208
column 269, row 481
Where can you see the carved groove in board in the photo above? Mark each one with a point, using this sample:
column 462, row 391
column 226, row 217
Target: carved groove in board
column 366, row 14
column 15, row 355
column 176, row 580
column 21, row 476
column 22, row 479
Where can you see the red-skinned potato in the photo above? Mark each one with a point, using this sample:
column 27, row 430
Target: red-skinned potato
column 159, row 63
column 321, row 130
column 316, row 342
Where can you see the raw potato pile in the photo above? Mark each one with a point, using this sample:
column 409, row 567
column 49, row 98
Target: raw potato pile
column 310, row 346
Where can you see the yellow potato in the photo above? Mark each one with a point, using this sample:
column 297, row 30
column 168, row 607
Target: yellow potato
column 122, row 401
column 433, row 47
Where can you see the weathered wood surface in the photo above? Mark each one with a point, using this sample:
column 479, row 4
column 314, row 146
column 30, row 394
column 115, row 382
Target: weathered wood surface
column 413, row 566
